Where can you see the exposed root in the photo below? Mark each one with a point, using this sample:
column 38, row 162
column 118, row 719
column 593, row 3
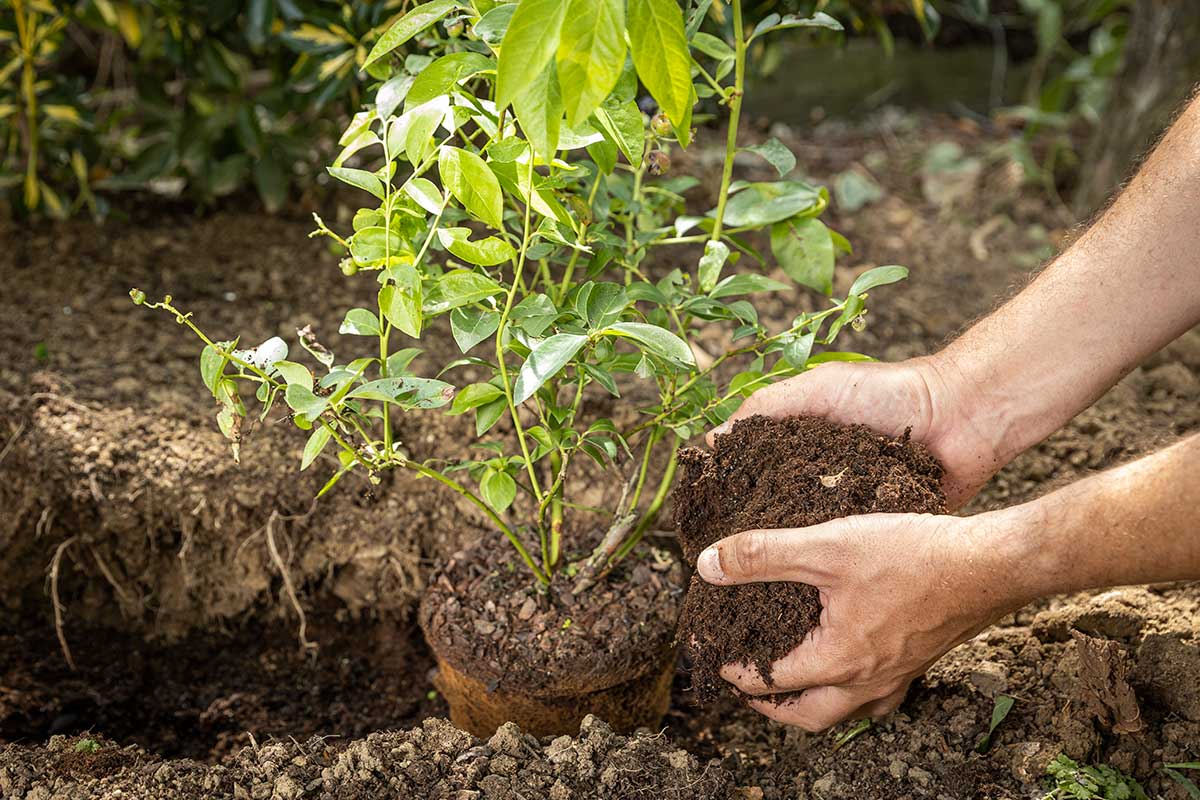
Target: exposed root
column 12, row 440
column 52, row 577
column 305, row 644
column 108, row 575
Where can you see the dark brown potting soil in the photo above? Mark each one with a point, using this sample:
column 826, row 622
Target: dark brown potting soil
column 781, row 473
column 489, row 617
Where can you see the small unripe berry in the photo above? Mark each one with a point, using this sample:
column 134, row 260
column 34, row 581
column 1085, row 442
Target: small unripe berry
column 659, row 163
column 859, row 324
column 348, row 267
column 661, row 125
column 454, row 28
column 137, row 296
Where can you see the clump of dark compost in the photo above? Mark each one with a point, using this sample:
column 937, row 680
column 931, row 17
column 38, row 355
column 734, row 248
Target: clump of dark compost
column 781, row 473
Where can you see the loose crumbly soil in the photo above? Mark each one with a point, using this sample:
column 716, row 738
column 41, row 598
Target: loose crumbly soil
column 488, row 619
column 781, row 473
column 105, row 443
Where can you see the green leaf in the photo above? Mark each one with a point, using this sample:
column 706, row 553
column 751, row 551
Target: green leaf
column 529, row 45
column 797, row 351
column 539, row 109
column 302, row 400
column 745, row 283
column 764, row 203
column 604, row 153
column 659, row 341
column 402, row 308
column 492, row 25
column 398, row 361
column 534, row 314
column 295, row 374
column 804, row 248
column 711, row 263
column 1003, row 705
column 445, row 73
column 712, row 46
column 880, row 276
column 837, row 355
column 776, row 154
column 459, row 288
column 660, row 53
column 774, row 22
column 544, row 362
column 603, row 304
column 408, row 26
column 425, row 194
column 467, row 177
column 212, row 366
column 418, row 125
column 487, row 415
column 406, row 391
column 359, row 178
column 591, row 54
column 470, row 326
column 622, row 125
column 482, row 252
column 360, row 322
column 316, row 443
column 498, row 489
column 473, row 396
column 371, row 246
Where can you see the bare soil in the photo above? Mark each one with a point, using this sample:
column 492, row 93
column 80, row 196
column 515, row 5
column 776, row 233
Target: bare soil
column 814, row 471
column 175, row 606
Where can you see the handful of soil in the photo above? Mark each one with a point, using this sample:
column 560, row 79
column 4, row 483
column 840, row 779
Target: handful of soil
column 781, row 473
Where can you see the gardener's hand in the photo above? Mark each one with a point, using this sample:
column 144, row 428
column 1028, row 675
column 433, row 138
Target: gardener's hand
column 898, row 591
column 924, row 394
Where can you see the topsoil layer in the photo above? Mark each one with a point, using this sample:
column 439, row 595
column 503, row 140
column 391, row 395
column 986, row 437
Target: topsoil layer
column 781, row 473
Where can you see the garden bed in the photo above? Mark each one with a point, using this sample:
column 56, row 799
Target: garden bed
column 180, row 575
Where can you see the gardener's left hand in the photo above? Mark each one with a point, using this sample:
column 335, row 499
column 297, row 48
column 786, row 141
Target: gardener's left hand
column 898, row 591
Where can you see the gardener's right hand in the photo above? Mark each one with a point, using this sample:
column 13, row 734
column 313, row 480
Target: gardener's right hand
column 924, row 394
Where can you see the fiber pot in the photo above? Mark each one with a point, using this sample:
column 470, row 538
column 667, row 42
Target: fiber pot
column 544, row 658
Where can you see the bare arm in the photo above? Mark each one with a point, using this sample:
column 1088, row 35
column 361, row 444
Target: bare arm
column 1128, row 286
column 899, row 590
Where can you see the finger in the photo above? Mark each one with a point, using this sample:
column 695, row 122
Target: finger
column 813, row 663
column 814, row 555
column 815, row 710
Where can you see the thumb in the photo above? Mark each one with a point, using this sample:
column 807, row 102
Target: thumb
column 805, row 555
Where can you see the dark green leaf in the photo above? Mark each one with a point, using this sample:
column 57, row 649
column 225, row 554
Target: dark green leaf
column 764, row 203
column 470, row 326
column 804, row 248
column 491, row 26
column 359, row 178
column 498, row 489
column 1003, row 705
column 712, row 46
column 773, row 22
column 622, row 125
column 745, row 283
column 534, row 314
column 360, row 322
column 406, row 391
column 487, row 415
column 776, row 154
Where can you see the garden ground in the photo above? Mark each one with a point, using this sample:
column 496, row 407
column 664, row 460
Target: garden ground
column 181, row 576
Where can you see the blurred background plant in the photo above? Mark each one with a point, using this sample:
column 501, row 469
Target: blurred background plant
column 206, row 100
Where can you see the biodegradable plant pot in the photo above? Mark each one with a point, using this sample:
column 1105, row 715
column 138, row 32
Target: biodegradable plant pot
column 781, row 473
column 508, row 650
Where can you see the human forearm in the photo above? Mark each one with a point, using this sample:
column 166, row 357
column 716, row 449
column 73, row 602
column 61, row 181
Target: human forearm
column 1125, row 288
column 1130, row 525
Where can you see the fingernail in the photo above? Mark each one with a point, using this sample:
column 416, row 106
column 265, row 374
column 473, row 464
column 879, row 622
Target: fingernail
column 709, row 566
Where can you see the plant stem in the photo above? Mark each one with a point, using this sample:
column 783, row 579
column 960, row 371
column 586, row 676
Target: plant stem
column 664, row 486
column 500, row 328
column 474, row 498
column 735, row 111
column 28, row 81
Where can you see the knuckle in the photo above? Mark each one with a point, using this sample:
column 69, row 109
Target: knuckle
column 749, row 553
